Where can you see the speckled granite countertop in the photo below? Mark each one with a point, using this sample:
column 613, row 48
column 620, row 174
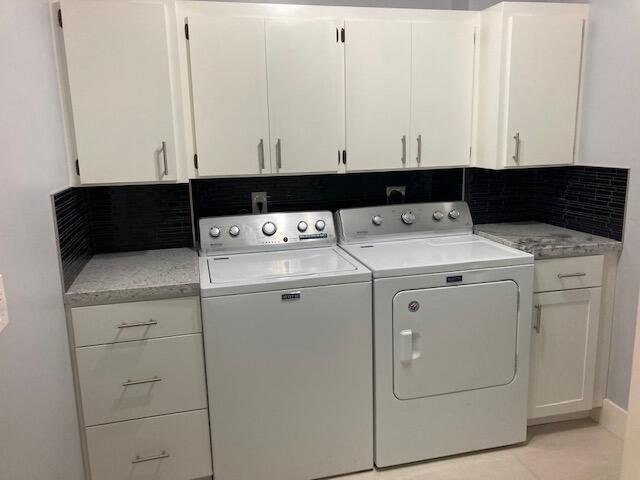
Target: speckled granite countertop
column 133, row 276
column 546, row 241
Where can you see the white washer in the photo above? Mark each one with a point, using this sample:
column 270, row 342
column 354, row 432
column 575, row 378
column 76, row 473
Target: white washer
column 288, row 345
column 452, row 315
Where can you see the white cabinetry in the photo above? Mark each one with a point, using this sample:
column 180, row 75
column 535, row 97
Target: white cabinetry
column 121, row 94
column 529, row 84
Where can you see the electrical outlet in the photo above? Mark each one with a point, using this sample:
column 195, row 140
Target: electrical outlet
column 4, row 315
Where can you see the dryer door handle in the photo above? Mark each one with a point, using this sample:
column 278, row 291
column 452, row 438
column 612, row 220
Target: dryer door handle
column 406, row 345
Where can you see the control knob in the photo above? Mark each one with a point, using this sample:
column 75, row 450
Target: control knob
column 302, row 226
column 234, row 231
column 408, row 218
column 377, row 220
column 320, row 224
column 454, row 214
column 269, row 228
column 214, row 232
column 438, row 215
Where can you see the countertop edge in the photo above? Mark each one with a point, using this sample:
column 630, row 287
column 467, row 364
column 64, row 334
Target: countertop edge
column 140, row 294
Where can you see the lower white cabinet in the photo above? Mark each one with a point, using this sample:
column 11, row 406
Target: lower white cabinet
column 170, row 447
column 563, row 353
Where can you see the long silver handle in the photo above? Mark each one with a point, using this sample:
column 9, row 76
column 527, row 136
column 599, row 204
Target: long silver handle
column 516, row 157
column 160, row 456
column 164, row 158
column 419, row 157
column 571, row 275
column 261, row 154
column 129, row 383
column 538, row 322
column 279, row 154
column 404, row 149
column 138, row 324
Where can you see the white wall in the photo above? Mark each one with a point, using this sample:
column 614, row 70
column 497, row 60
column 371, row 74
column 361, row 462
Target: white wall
column 38, row 427
column 611, row 125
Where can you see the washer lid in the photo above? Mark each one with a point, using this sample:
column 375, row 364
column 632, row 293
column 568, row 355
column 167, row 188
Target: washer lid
column 434, row 255
column 254, row 272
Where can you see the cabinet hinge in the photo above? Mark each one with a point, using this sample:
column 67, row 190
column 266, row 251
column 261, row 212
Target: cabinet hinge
column 186, row 31
column 344, row 157
column 342, row 35
column 474, row 37
column 195, row 160
column 77, row 167
column 470, row 150
column 60, row 17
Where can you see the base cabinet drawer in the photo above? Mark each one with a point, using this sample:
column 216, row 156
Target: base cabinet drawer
column 170, row 447
column 123, row 381
column 568, row 273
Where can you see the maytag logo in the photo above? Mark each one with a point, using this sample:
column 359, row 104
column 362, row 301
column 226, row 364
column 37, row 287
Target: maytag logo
column 291, row 296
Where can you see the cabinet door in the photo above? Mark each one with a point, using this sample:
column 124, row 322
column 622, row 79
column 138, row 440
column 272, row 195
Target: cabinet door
column 441, row 93
column 229, row 88
column 119, row 76
column 563, row 351
column 543, row 67
column 303, row 65
column 378, row 92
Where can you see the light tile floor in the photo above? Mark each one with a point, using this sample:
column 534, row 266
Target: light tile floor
column 575, row 450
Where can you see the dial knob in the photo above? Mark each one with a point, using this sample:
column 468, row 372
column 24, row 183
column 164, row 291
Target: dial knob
column 377, row 220
column 234, row 231
column 214, row 232
column 269, row 228
column 320, row 225
column 454, row 214
column 408, row 218
column 302, row 226
column 438, row 215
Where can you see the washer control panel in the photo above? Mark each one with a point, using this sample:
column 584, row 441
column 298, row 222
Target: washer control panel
column 403, row 220
column 269, row 231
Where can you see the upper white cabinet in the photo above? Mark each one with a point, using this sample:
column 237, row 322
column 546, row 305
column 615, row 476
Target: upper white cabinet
column 229, row 89
column 303, row 71
column 378, row 94
column 442, row 93
column 121, row 95
column 529, row 84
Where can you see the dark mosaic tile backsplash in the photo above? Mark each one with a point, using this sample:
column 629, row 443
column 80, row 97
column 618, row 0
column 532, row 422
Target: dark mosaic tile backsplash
column 139, row 217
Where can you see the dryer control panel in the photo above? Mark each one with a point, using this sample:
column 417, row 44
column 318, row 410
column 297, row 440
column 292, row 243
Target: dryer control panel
column 410, row 220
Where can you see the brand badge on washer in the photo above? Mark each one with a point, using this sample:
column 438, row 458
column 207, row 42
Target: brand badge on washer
column 414, row 306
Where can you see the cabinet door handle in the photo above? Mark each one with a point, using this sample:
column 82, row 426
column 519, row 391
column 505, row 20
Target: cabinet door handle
column 138, row 324
column 571, row 275
column 140, row 459
column 129, row 383
column 538, row 323
column 516, row 157
column 404, row 149
column 279, row 154
column 261, row 155
column 164, row 159
column 419, row 157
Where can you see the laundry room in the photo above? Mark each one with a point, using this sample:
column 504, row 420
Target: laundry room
column 318, row 239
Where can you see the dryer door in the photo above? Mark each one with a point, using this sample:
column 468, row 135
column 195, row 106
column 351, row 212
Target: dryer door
column 454, row 339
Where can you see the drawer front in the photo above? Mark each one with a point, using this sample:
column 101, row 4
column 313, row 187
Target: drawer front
column 124, row 381
column 568, row 273
column 123, row 322
column 170, row 447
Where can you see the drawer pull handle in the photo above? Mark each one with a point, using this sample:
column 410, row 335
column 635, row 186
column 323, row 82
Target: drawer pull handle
column 571, row 275
column 140, row 459
column 537, row 325
column 128, row 383
column 138, row 324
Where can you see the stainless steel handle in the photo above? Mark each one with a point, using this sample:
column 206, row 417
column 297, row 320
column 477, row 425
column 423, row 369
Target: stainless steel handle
column 279, row 154
column 538, row 322
column 404, row 149
column 571, row 275
column 129, row 383
column 261, row 154
column 419, row 157
column 164, row 159
column 160, row 456
column 138, row 324
column 516, row 157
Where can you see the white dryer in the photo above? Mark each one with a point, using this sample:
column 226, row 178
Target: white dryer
column 452, row 315
column 288, row 347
